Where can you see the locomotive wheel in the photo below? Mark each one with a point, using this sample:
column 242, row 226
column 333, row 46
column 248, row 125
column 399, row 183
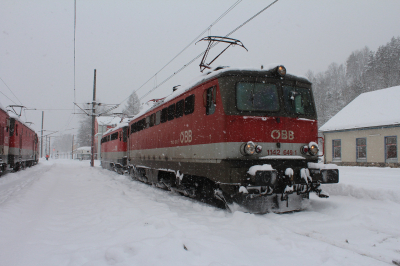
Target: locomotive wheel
column 16, row 167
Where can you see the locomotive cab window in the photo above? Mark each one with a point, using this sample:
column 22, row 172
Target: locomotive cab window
column 252, row 96
column 209, row 98
column 298, row 101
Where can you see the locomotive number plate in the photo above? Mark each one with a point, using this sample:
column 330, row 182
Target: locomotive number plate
column 281, row 152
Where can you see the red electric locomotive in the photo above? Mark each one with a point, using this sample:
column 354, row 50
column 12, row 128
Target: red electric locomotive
column 239, row 135
column 23, row 145
column 114, row 148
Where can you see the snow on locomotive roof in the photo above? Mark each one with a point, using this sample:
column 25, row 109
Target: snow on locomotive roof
column 210, row 75
column 369, row 109
column 108, row 120
column 123, row 123
column 16, row 117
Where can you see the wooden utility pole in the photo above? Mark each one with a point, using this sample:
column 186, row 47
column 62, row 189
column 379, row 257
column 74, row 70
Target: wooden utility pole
column 93, row 117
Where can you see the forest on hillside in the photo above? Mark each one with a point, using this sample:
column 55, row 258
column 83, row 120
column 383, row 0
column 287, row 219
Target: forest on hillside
column 363, row 71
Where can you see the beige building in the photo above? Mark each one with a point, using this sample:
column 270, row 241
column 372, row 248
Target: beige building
column 366, row 131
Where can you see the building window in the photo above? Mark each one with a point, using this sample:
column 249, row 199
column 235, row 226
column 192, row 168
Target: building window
column 337, row 150
column 361, row 145
column 391, row 149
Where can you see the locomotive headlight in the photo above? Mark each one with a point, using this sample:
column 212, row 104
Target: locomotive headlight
column 249, row 148
column 313, row 148
column 281, row 70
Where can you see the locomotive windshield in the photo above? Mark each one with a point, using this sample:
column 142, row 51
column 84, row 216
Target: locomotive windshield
column 257, row 97
column 298, row 101
column 260, row 95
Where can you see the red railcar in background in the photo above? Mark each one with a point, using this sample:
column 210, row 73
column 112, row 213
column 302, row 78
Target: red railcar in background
column 4, row 140
column 114, row 145
column 23, row 145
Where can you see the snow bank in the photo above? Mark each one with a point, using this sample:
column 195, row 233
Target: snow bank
column 367, row 183
column 63, row 212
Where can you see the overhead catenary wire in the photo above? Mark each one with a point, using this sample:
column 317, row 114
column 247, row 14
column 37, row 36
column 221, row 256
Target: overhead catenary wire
column 11, row 92
column 186, row 47
column 198, row 56
column 8, row 97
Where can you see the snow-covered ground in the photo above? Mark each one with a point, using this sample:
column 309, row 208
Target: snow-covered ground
column 63, row 212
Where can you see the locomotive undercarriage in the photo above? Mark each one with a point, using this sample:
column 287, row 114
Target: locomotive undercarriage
column 228, row 183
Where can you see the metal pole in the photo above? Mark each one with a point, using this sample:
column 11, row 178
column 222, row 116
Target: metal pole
column 72, row 153
column 41, row 138
column 93, row 118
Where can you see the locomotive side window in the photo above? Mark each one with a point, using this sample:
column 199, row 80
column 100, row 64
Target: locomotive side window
column 133, row 128
column 147, row 122
column 158, row 117
column 125, row 134
column 298, row 100
column 171, row 112
column 141, row 124
column 152, row 119
column 257, row 97
column 164, row 115
column 114, row 136
column 179, row 108
column 189, row 104
column 210, row 100
column 1, row 135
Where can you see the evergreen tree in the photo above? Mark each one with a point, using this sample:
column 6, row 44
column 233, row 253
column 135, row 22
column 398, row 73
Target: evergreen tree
column 364, row 71
column 132, row 106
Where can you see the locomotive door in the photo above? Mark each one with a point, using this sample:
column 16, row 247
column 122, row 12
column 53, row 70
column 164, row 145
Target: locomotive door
column 1, row 140
column 20, row 143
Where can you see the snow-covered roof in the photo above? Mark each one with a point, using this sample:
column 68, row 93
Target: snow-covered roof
column 370, row 109
column 208, row 75
column 108, row 120
column 124, row 123
column 84, row 148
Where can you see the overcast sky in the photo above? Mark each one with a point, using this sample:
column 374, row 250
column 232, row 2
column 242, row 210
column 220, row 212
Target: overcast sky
column 128, row 41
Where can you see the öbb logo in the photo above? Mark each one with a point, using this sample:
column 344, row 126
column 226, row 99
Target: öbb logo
column 282, row 134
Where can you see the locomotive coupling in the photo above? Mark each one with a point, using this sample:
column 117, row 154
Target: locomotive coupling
column 264, row 175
